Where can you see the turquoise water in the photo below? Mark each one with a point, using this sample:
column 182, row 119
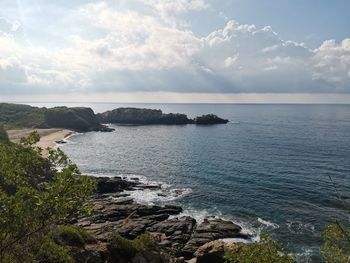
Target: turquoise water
column 268, row 169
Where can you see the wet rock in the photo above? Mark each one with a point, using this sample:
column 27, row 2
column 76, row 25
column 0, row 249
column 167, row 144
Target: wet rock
column 113, row 185
column 211, row 230
column 117, row 212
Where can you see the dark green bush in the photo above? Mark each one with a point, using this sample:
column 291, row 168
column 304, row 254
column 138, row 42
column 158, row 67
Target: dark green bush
column 3, row 136
column 50, row 251
column 265, row 251
column 35, row 197
column 120, row 247
column 72, row 235
column 336, row 245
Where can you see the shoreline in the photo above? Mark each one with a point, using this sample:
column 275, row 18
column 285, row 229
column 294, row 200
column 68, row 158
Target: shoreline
column 177, row 234
column 48, row 137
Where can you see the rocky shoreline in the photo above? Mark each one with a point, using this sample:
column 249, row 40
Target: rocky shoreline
column 176, row 235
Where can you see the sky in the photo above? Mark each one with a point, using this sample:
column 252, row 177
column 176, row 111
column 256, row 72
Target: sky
column 175, row 51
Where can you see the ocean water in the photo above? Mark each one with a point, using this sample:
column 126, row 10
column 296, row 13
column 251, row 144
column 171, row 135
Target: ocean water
column 267, row 169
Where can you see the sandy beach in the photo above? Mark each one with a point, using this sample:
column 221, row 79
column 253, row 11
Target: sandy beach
column 48, row 137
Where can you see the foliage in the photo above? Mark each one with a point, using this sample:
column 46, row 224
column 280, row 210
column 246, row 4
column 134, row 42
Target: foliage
column 50, row 251
column 36, row 194
column 3, row 136
column 265, row 251
column 336, row 237
column 120, row 247
column 19, row 116
column 336, row 246
column 72, row 235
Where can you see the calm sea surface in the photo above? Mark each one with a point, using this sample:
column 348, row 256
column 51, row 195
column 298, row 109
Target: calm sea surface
column 268, row 169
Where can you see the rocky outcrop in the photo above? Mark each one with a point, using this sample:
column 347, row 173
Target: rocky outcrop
column 179, row 236
column 150, row 116
column 211, row 252
column 214, row 251
column 107, row 185
column 79, row 119
column 141, row 116
column 211, row 230
column 209, row 119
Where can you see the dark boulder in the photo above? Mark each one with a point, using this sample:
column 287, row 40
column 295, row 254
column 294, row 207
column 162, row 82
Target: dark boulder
column 113, row 184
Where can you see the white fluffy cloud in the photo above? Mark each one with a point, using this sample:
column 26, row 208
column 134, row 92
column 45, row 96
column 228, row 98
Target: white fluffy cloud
column 115, row 50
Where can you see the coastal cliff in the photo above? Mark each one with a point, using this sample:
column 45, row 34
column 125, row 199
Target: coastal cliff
column 142, row 116
column 150, row 116
column 79, row 119
column 83, row 119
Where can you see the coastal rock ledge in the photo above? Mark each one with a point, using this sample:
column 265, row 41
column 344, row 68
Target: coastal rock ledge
column 176, row 235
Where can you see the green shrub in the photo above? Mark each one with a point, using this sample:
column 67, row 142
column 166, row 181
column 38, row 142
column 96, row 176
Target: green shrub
column 72, row 235
column 35, row 197
column 19, row 116
column 50, row 251
column 336, row 246
column 120, row 247
column 3, row 136
column 265, row 251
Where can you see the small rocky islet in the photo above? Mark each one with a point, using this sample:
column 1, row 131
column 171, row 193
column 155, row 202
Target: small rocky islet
column 181, row 237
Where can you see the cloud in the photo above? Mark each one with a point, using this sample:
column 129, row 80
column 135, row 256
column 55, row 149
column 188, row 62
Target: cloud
column 113, row 49
column 177, row 6
column 331, row 65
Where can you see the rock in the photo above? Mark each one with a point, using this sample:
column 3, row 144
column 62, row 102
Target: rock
column 209, row 119
column 211, row 230
column 211, row 252
column 219, row 227
column 113, row 184
column 175, row 226
column 60, row 142
column 117, row 212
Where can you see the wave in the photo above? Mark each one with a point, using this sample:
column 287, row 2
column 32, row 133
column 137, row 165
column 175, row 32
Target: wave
column 151, row 197
column 200, row 215
column 300, row 227
column 159, row 192
column 305, row 255
column 268, row 223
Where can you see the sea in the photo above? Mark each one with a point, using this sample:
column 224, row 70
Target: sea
column 272, row 169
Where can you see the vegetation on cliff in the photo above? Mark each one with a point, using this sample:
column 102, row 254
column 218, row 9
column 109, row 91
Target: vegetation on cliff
column 265, row 251
column 150, row 116
column 83, row 119
column 142, row 117
column 4, row 138
column 79, row 119
column 18, row 116
column 36, row 195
